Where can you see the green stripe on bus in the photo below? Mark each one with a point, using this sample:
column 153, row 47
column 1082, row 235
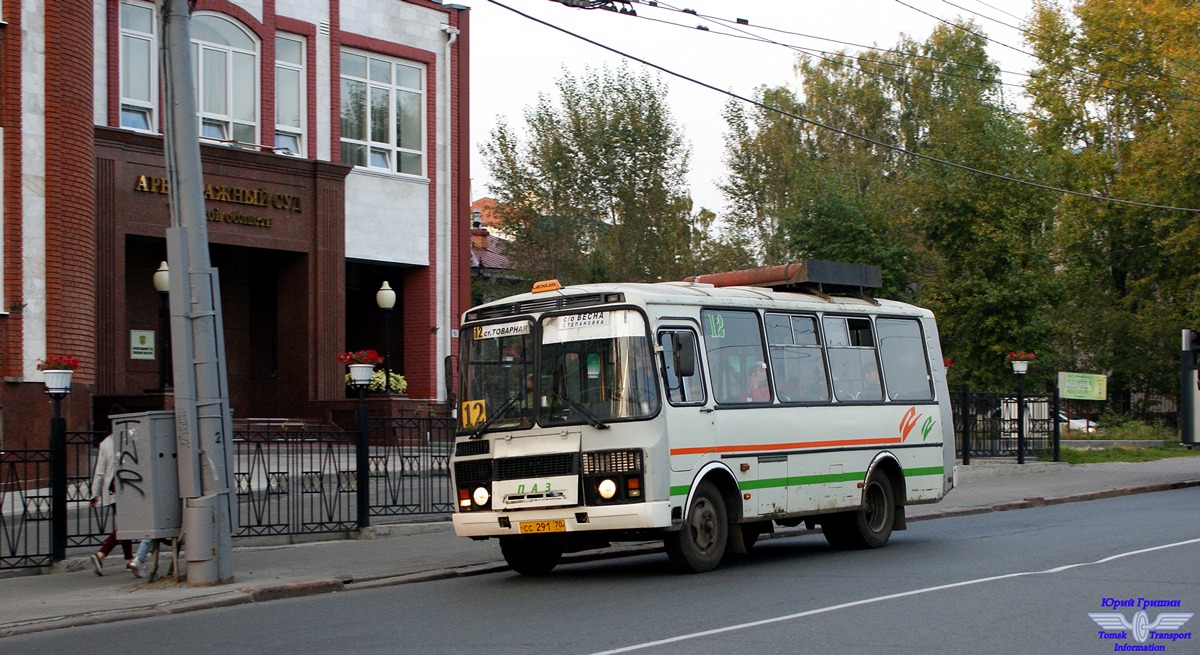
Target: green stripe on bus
column 928, row 470
column 813, row 479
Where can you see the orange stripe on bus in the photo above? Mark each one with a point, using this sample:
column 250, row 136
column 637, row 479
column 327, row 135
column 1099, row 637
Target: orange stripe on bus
column 787, row 446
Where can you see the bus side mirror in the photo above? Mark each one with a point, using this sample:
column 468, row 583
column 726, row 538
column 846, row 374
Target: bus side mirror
column 449, row 366
column 683, row 348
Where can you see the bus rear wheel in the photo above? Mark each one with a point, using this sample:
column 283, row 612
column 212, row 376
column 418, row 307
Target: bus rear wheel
column 700, row 543
column 531, row 555
column 869, row 526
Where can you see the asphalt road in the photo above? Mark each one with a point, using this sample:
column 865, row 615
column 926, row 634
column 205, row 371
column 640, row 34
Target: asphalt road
column 1009, row 582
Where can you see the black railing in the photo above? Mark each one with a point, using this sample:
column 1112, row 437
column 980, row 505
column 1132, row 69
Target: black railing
column 294, row 481
column 289, row 480
column 410, row 465
column 988, row 424
column 24, row 508
column 26, row 502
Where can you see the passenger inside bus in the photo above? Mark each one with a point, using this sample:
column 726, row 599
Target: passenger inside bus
column 758, row 392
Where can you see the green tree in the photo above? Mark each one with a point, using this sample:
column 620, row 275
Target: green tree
column 975, row 249
column 989, row 240
column 1117, row 113
column 597, row 190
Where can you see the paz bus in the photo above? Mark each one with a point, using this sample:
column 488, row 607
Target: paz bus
column 703, row 413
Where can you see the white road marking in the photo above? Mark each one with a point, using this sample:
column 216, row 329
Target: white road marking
column 880, row 599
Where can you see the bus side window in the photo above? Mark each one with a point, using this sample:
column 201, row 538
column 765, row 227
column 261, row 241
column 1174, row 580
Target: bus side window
column 796, row 358
column 733, row 340
column 851, row 348
column 681, row 389
column 902, row 350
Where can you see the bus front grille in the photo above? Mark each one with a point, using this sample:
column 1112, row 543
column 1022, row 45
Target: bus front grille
column 536, row 466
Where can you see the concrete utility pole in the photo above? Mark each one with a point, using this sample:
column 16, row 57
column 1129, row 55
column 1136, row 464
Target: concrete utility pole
column 203, row 426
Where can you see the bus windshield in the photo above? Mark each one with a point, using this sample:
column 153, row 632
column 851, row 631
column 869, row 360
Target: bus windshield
column 497, row 384
column 596, row 367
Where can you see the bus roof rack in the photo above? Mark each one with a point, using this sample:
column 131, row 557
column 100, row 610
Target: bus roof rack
column 824, row 277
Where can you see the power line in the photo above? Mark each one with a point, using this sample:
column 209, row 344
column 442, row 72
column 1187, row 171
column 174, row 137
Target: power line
column 1102, row 81
column 1105, row 85
column 837, row 59
column 778, row 30
column 1033, row 33
column 894, row 148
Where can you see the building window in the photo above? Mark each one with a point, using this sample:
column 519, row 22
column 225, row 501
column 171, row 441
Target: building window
column 289, row 95
column 383, row 115
column 225, row 66
column 139, row 70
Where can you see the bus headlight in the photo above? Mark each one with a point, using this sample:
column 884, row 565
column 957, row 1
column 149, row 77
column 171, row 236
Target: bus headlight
column 481, row 496
column 612, row 476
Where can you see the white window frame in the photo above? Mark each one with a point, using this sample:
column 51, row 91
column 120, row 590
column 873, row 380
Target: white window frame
column 389, row 148
column 302, row 72
column 137, row 104
column 226, row 120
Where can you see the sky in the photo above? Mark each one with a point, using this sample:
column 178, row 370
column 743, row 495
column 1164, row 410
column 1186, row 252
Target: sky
column 515, row 58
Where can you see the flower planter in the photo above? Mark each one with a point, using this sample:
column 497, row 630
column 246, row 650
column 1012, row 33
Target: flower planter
column 1020, row 366
column 360, row 374
column 58, row 381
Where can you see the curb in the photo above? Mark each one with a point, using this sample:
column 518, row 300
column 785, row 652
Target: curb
column 266, row 593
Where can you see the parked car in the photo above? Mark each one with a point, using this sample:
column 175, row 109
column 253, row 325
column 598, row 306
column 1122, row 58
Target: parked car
column 1077, row 424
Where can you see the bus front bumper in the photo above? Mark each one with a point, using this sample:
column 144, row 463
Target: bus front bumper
column 634, row 516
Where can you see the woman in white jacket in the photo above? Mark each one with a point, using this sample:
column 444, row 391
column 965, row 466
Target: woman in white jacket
column 103, row 493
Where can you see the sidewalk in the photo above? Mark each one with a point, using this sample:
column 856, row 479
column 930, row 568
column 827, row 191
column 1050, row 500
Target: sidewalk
column 409, row 552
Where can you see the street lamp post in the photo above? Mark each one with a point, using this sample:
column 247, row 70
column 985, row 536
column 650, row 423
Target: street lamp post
column 1019, row 369
column 386, row 299
column 362, row 458
column 162, row 284
column 57, row 390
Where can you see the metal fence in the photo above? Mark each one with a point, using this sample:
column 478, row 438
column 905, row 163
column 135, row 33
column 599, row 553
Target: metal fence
column 410, row 465
column 294, row 480
column 25, row 502
column 988, row 425
column 289, row 479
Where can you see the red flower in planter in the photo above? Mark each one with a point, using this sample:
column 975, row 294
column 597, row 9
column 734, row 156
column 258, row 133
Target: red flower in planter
column 58, row 363
column 360, row 357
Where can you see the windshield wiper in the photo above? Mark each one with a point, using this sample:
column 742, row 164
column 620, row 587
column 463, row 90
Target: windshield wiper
column 495, row 416
column 583, row 411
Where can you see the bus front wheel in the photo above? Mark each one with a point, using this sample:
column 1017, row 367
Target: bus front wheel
column 869, row 526
column 531, row 555
column 699, row 544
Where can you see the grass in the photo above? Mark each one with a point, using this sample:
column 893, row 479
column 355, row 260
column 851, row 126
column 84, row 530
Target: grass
column 1125, row 454
column 1116, row 427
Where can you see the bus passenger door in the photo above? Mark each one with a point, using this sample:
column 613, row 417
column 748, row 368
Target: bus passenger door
column 688, row 411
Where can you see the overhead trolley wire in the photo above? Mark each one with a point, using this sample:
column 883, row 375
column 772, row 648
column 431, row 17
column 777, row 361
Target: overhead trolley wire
column 1101, row 83
column 846, row 133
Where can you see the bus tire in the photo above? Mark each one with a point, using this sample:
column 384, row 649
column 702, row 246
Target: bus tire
column 531, row 555
column 699, row 544
column 869, row 526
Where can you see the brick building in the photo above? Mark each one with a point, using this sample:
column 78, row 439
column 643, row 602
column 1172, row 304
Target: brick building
column 335, row 151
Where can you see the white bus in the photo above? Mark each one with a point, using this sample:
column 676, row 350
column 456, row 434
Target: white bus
column 702, row 413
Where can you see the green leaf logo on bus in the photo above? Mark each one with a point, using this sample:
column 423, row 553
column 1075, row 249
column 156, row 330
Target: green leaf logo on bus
column 909, row 421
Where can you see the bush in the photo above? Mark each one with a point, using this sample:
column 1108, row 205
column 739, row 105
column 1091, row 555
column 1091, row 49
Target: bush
column 1125, row 427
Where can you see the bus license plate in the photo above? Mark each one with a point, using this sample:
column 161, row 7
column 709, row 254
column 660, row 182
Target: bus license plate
column 538, row 527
